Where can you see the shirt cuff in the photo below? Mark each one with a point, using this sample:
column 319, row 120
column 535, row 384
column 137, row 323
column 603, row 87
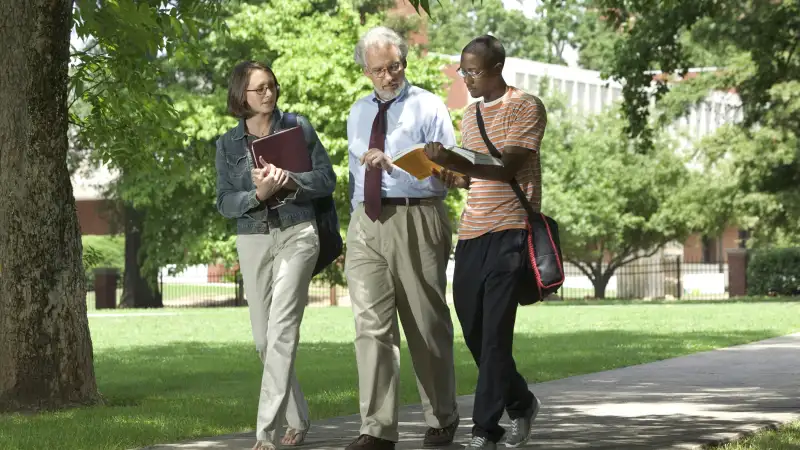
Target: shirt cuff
column 293, row 196
column 252, row 200
column 398, row 173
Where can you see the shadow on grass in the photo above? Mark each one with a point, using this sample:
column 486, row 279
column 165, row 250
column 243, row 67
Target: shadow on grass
column 173, row 392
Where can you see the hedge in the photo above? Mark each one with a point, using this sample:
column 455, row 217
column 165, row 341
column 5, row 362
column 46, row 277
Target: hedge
column 102, row 251
column 774, row 272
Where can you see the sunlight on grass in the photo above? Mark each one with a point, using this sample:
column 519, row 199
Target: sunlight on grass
column 786, row 437
column 170, row 375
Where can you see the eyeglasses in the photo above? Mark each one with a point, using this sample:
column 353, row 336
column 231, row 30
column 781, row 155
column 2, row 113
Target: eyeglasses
column 394, row 69
column 262, row 90
column 470, row 73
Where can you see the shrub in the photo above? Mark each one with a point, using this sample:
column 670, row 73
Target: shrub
column 774, row 272
column 102, row 251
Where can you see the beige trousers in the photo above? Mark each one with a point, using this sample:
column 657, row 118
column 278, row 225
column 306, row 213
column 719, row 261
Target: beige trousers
column 276, row 270
column 396, row 265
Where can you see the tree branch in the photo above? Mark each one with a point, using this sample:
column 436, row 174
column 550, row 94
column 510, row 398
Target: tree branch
column 85, row 51
column 580, row 266
column 620, row 256
column 790, row 55
column 85, row 90
column 635, row 258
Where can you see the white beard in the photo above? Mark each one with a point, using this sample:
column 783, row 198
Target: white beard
column 390, row 95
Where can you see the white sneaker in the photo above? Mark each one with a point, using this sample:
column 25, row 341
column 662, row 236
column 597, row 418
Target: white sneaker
column 480, row 443
column 521, row 427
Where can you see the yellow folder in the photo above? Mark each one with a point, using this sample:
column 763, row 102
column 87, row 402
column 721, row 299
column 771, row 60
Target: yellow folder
column 414, row 161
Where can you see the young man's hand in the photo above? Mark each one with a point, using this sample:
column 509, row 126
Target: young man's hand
column 451, row 179
column 435, row 152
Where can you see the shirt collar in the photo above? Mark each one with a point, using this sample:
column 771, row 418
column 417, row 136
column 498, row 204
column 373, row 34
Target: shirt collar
column 241, row 129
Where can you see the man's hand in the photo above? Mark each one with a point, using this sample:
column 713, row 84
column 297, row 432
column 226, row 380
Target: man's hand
column 376, row 159
column 435, row 152
column 451, row 180
column 268, row 181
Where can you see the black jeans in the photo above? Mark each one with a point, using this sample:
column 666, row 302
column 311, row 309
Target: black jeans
column 487, row 282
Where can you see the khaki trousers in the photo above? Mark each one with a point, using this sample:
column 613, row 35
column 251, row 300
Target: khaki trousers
column 396, row 265
column 276, row 270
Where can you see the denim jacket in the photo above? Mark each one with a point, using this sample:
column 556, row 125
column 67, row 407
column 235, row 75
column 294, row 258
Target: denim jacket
column 236, row 193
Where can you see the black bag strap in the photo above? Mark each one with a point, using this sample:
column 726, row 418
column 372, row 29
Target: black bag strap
column 493, row 150
column 289, row 120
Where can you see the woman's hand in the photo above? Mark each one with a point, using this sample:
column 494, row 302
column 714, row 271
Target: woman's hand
column 451, row 179
column 268, row 181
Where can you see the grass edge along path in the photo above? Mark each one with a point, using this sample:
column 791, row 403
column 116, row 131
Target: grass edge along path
column 773, row 437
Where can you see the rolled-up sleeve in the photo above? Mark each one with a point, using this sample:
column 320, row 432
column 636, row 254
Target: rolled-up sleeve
column 440, row 128
column 231, row 203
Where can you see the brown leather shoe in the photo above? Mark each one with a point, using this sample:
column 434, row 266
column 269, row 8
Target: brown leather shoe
column 440, row 437
column 367, row 442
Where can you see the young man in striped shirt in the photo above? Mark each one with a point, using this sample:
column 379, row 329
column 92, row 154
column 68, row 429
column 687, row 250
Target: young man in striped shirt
column 489, row 266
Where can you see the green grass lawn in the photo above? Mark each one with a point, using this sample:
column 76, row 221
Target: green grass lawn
column 786, row 437
column 174, row 374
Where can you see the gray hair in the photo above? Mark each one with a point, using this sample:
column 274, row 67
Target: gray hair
column 379, row 36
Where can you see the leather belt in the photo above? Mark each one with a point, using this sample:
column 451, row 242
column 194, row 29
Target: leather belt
column 406, row 201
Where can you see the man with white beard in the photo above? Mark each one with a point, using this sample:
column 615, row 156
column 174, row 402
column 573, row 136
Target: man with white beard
column 398, row 245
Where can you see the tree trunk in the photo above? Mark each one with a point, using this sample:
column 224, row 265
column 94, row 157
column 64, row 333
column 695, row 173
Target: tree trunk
column 45, row 346
column 600, row 282
column 136, row 291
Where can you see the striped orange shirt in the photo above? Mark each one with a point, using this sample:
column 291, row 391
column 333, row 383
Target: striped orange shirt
column 516, row 119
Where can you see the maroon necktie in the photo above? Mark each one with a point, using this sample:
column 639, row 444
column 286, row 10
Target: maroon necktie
column 372, row 179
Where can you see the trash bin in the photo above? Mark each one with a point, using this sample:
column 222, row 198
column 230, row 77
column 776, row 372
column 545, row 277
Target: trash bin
column 105, row 287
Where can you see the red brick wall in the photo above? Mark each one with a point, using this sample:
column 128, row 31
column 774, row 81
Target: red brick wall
column 457, row 94
column 718, row 247
column 216, row 272
column 404, row 8
column 730, row 239
column 693, row 248
column 94, row 217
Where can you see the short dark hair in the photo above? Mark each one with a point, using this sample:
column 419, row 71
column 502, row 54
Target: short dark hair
column 489, row 48
column 237, row 87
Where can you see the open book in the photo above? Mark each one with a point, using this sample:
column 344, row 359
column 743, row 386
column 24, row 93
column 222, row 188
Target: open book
column 414, row 161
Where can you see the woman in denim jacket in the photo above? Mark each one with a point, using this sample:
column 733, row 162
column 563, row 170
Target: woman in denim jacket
column 277, row 242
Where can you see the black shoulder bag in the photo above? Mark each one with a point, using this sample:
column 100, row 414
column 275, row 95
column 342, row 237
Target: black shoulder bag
column 543, row 249
column 330, row 241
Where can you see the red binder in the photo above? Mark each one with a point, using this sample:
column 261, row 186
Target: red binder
column 285, row 149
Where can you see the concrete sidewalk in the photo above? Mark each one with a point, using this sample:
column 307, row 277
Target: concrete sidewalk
column 679, row 403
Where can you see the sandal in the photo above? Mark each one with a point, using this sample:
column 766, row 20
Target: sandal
column 298, row 436
column 264, row 445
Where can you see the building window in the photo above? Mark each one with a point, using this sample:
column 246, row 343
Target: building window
column 520, row 80
column 568, row 90
column 533, row 83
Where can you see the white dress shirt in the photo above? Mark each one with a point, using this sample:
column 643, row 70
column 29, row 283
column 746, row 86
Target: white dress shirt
column 416, row 117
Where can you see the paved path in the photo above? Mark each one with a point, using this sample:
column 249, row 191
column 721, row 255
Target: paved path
column 678, row 403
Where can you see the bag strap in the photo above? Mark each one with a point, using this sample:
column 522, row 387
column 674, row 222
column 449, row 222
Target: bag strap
column 289, row 120
column 493, row 150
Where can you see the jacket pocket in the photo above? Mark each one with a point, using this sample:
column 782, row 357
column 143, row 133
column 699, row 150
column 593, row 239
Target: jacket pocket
column 237, row 165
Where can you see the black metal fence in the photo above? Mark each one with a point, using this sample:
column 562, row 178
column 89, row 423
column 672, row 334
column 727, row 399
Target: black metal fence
column 663, row 277
column 666, row 277
column 228, row 290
